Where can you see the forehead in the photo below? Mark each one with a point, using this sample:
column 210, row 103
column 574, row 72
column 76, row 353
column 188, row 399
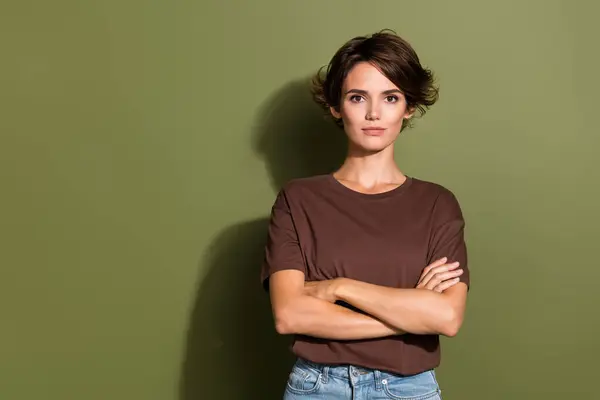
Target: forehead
column 366, row 76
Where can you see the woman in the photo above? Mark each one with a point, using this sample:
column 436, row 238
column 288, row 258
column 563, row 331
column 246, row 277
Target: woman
column 367, row 266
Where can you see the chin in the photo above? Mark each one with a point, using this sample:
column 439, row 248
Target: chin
column 372, row 145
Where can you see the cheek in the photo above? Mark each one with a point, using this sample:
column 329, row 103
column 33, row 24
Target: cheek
column 396, row 115
column 353, row 114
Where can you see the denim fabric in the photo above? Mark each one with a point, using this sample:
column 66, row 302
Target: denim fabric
column 309, row 380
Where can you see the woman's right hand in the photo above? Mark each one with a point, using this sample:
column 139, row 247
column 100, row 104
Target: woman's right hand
column 439, row 276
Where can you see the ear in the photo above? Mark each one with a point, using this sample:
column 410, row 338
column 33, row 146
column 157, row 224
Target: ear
column 409, row 113
column 336, row 114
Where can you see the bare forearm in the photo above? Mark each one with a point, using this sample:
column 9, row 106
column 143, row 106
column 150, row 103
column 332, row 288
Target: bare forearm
column 411, row 310
column 311, row 316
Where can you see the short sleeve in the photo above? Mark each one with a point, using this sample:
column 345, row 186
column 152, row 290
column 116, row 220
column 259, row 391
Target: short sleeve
column 447, row 237
column 282, row 250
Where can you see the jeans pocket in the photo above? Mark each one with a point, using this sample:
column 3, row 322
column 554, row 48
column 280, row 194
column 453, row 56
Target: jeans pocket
column 303, row 379
column 422, row 386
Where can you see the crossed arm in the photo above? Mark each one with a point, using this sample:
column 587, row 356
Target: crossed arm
column 435, row 306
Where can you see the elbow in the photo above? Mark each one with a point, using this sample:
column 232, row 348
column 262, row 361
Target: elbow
column 283, row 327
column 294, row 316
column 451, row 323
column 450, row 330
column 284, row 322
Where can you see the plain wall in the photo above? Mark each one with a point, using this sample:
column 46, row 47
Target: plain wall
column 142, row 144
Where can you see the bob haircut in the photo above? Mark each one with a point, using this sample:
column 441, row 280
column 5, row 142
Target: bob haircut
column 389, row 53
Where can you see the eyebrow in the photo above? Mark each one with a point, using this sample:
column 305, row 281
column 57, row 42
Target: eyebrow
column 364, row 92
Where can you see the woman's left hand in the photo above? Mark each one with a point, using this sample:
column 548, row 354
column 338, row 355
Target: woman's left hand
column 324, row 290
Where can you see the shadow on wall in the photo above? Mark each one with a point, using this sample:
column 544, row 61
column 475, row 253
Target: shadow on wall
column 233, row 351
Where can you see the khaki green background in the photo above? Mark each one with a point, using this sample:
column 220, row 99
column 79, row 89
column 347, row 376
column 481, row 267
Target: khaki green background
column 142, row 144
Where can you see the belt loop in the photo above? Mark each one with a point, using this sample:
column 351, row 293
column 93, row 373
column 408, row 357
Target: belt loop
column 378, row 384
column 325, row 374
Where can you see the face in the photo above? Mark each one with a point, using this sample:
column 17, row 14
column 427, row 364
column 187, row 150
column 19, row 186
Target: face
column 372, row 109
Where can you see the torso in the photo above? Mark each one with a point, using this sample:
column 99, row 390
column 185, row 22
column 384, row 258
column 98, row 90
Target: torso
column 384, row 239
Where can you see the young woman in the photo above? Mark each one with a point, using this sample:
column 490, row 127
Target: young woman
column 367, row 266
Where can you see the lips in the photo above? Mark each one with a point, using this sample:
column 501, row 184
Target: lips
column 375, row 131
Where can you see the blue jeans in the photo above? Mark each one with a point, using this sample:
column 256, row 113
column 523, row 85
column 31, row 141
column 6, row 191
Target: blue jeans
column 324, row 382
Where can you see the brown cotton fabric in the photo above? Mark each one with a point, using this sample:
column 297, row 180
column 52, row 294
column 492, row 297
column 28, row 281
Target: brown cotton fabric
column 327, row 230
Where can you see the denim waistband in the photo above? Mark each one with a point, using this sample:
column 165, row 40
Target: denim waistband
column 348, row 372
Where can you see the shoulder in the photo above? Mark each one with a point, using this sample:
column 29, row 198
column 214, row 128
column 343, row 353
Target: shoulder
column 299, row 190
column 439, row 196
column 431, row 189
column 301, row 186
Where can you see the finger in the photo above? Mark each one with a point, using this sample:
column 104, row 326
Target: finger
column 441, row 277
column 434, row 264
column 437, row 270
column 446, row 284
column 444, row 276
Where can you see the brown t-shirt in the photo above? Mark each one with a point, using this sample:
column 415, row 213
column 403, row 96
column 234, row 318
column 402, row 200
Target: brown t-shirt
column 327, row 230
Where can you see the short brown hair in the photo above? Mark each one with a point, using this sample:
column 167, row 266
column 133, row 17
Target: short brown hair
column 393, row 56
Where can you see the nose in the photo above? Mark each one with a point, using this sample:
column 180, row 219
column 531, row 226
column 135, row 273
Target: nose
column 372, row 113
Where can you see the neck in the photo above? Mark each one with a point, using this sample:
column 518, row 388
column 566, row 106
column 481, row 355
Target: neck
column 370, row 169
